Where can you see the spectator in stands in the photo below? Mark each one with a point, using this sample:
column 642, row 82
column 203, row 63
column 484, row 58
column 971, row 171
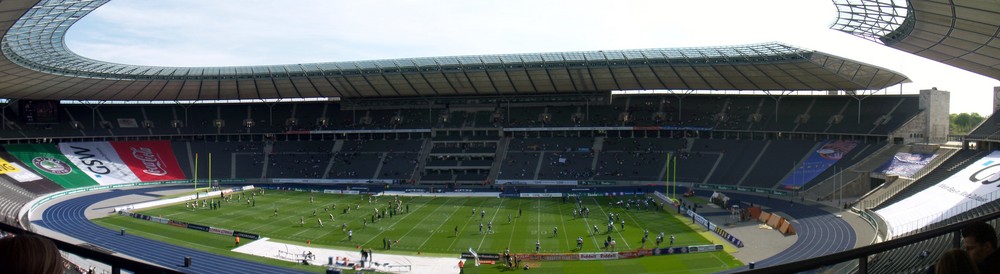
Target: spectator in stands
column 980, row 241
column 955, row 261
column 30, row 254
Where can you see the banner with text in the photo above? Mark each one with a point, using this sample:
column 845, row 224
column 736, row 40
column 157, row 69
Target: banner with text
column 48, row 161
column 150, row 160
column 24, row 177
column 99, row 161
column 969, row 188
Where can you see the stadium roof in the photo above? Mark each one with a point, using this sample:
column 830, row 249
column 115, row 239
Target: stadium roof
column 960, row 33
column 36, row 64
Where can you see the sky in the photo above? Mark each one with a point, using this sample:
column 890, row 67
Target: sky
column 258, row 32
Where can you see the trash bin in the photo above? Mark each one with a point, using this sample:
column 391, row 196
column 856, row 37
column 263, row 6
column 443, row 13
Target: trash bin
column 329, row 261
column 751, row 265
column 187, row 261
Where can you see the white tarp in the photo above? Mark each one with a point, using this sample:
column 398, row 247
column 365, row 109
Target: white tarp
column 100, row 161
column 971, row 187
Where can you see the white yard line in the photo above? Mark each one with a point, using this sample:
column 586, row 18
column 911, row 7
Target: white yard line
column 616, row 230
column 499, row 206
column 565, row 231
column 440, row 225
column 513, row 227
column 587, row 223
column 422, row 221
column 422, row 205
column 466, row 224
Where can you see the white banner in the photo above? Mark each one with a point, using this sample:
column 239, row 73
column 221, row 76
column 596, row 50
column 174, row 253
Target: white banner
column 100, row 161
column 127, row 123
column 17, row 172
column 971, row 187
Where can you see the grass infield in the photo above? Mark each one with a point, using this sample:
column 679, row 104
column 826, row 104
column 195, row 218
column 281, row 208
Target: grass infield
column 429, row 228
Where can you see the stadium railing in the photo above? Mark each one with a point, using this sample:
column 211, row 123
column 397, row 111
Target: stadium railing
column 117, row 263
column 862, row 254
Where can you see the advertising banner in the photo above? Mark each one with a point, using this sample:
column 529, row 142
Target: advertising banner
column 177, row 224
column 818, row 161
column 905, row 164
column 548, row 257
column 220, row 231
column 598, row 256
column 149, row 160
column 99, row 161
column 198, row 227
column 25, row 178
column 634, row 253
column 969, row 188
column 482, row 256
column 670, row 250
column 245, row 235
column 48, row 161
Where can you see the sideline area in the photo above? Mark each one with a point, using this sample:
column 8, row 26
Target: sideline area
column 391, row 263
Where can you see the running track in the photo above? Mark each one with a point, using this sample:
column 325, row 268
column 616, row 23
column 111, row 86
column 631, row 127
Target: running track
column 67, row 217
column 820, row 232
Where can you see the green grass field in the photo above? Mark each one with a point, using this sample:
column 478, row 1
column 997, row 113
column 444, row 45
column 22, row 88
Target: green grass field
column 429, row 228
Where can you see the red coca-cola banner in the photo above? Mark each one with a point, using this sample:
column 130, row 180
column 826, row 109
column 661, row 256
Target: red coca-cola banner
column 150, row 160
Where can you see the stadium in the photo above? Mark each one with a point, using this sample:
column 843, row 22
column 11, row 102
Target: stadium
column 538, row 162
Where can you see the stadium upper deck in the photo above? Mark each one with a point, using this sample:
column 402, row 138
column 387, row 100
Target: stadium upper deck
column 961, row 33
column 37, row 65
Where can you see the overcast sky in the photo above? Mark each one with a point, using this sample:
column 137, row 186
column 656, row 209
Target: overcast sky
column 258, row 32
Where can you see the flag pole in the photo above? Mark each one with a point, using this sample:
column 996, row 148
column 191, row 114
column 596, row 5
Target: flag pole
column 675, row 177
column 209, row 169
column 666, row 172
column 196, row 171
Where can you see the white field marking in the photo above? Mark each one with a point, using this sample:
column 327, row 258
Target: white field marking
column 438, row 229
column 497, row 210
column 538, row 224
column 592, row 235
column 512, row 228
column 394, row 224
column 422, row 221
column 618, row 230
column 565, row 237
column 466, row 223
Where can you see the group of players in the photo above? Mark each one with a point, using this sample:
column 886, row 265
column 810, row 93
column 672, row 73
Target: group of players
column 395, row 206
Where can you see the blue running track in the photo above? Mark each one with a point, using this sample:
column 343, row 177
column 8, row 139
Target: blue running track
column 820, row 232
column 68, row 218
